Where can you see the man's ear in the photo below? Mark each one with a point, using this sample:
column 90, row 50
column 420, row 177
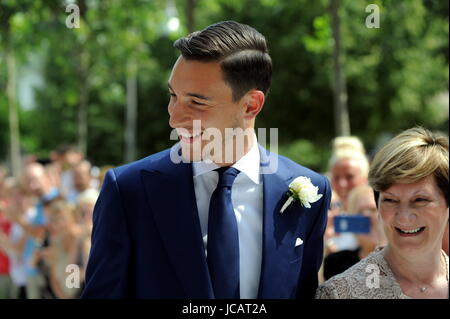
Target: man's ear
column 253, row 103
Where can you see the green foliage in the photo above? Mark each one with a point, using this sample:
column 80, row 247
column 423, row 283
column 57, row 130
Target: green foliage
column 4, row 133
column 395, row 74
column 307, row 154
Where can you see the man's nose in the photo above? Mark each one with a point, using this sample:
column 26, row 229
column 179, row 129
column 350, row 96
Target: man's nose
column 179, row 115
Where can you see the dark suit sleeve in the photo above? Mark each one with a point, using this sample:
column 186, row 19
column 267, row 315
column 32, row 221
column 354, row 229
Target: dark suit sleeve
column 313, row 251
column 106, row 273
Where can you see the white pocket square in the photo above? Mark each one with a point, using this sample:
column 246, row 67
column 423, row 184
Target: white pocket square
column 298, row 242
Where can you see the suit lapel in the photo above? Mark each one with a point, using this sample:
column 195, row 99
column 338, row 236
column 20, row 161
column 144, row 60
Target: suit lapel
column 279, row 236
column 170, row 189
column 171, row 194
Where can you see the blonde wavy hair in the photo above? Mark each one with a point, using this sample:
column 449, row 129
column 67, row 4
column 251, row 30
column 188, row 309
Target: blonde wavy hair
column 351, row 148
column 409, row 157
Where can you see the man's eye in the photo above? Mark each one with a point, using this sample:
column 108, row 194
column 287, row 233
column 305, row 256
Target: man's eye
column 420, row 199
column 197, row 103
column 170, row 94
column 388, row 200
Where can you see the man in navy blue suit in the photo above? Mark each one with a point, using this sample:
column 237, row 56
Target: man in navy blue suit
column 203, row 219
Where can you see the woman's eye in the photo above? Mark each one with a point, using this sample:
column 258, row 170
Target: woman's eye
column 421, row 200
column 388, row 200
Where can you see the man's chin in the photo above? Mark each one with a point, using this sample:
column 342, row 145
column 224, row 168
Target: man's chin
column 193, row 152
column 189, row 154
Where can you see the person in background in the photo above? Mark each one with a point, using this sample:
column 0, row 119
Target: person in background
column 410, row 179
column 17, row 202
column 85, row 210
column 5, row 225
column 40, row 185
column 82, row 180
column 64, row 246
column 331, row 237
column 360, row 201
column 5, row 279
column 348, row 166
column 3, row 178
column 68, row 157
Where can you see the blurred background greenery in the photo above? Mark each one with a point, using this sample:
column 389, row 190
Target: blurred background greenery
column 86, row 85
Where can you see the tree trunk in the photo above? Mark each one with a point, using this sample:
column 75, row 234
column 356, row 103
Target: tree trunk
column 190, row 18
column 83, row 72
column 131, row 111
column 84, row 101
column 14, row 133
column 341, row 116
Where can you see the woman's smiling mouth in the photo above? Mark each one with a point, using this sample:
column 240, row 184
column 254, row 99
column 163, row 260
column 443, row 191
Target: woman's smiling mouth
column 409, row 232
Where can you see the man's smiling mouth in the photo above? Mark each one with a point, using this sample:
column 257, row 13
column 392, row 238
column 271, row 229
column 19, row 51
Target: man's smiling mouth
column 188, row 137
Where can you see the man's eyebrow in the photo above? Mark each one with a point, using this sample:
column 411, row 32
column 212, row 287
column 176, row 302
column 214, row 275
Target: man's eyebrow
column 197, row 95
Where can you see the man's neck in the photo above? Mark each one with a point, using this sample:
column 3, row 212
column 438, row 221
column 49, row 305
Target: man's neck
column 239, row 149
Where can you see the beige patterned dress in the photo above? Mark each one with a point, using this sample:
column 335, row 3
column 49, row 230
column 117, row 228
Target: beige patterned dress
column 371, row 278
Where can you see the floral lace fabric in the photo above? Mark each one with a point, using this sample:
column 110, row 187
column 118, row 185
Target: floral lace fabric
column 357, row 282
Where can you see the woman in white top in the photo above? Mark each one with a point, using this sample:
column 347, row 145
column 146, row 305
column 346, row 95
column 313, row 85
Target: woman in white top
column 410, row 179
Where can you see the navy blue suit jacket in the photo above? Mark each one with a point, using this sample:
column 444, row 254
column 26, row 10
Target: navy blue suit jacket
column 147, row 243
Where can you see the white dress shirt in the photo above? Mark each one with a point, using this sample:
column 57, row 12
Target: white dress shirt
column 247, row 199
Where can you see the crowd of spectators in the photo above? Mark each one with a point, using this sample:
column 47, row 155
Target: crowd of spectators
column 45, row 225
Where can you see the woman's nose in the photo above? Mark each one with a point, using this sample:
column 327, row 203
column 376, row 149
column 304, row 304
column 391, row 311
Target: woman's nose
column 342, row 183
column 405, row 216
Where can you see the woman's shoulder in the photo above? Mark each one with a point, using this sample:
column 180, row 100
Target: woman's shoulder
column 370, row 278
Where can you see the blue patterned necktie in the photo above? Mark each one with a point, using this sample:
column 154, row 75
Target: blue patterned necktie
column 223, row 238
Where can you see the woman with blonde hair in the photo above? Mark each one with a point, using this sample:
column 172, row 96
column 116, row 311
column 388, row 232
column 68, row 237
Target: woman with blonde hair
column 348, row 166
column 410, row 178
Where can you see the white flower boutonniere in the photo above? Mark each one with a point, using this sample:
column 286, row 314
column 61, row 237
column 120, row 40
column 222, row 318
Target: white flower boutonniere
column 302, row 190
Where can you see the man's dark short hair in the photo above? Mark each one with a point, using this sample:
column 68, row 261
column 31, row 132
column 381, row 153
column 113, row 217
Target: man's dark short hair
column 241, row 51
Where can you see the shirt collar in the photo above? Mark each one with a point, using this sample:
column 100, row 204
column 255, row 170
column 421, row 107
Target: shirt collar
column 248, row 164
